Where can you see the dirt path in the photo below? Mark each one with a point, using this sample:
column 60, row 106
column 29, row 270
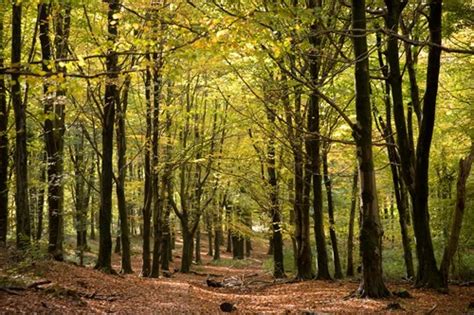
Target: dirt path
column 80, row 289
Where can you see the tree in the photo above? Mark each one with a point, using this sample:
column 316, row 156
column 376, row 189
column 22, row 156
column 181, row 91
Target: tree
column 372, row 284
column 23, row 230
column 111, row 98
column 415, row 164
column 313, row 147
column 4, row 111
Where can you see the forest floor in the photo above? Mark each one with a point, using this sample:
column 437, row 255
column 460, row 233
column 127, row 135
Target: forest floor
column 55, row 287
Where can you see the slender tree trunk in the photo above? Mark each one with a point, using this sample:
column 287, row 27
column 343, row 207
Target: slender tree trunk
column 217, row 234
column 146, row 211
column 313, row 148
column 277, row 237
column 372, row 284
column 120, row 182
column 332, row 228
column 449, row 251
column 210, row 243
column 155, row 182
column 40, row 200
column 350, row 237
column 23, row 230
column 197, row 247
column 4, row 112
column 428, row 274
column 105, row 218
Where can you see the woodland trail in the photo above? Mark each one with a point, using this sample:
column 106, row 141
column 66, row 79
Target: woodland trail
column 74, row 289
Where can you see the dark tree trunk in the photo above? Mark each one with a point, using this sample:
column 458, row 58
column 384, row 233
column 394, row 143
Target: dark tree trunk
column 350, row 237
column 40, row 201
column 277, row 238
column 4, row 111
column 428, row 274
column 155, row 182
column 237, row 246
column 217, row 236
column 187, row 253
column 332, row 228
column 120, row 180
column 197, row 247
column 23, row 229
column 210, row 243
column 313, row 148
column 228, row 214
column 92, row 207
column 81, row 191
column 372, row 284
column 146, row 211
column 54, row 128
column 106, row 183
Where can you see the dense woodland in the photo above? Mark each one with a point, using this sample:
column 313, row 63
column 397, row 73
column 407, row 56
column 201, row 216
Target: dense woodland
column 337, row 137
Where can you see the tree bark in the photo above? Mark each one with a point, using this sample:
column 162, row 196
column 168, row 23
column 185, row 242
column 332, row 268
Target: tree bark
column 111, row 97
column 332, row 229
column 350, row 237
column 372, row 284
column 146, row 211
column 23, row 229
column 4, row 112
column 428, row 274
column 277, row 237
column 122, row 105
column 313, row 148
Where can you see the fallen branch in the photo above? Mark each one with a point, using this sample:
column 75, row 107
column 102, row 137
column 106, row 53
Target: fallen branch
column 36, row 284
column 12, row 291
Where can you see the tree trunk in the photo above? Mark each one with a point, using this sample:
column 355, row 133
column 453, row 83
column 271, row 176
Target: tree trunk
column 332, row 228
column 428, row 274
column 4, row 111
column 120, row 180
column 210, row 243
column 187, row 254
column 277, row 238
column 313, row 148
column 23, row 230
column 197, row 247
column 106, row 183
column 449, row 251
column 350, row 237
column 40, row 200
column 148, row 197
column 372, row 284
column 155, row 182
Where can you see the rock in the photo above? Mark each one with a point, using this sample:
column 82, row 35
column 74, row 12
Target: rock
column 227, row 307
column 404, row 294
column 214, row 284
